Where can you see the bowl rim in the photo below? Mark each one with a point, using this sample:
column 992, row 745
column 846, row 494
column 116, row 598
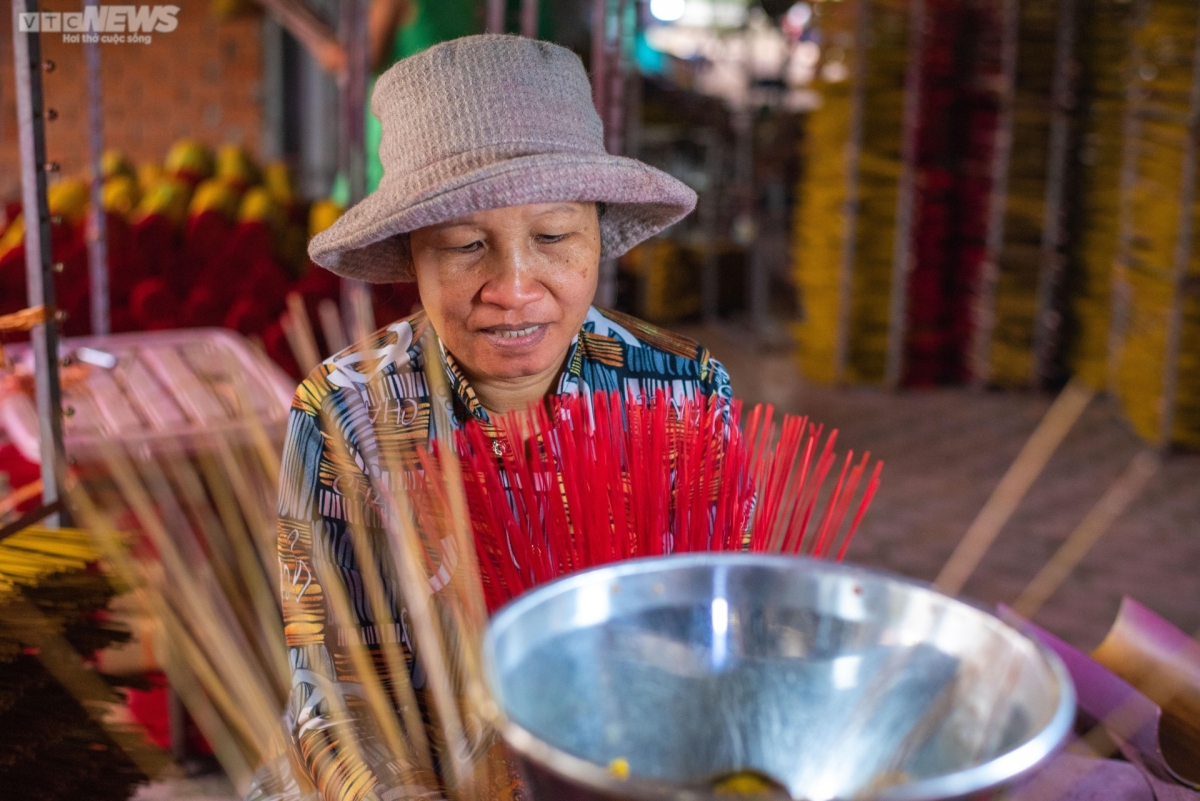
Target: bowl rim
column 1001, row 769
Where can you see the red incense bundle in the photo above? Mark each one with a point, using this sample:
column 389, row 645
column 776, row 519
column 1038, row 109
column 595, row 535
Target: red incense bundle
column 593, row 480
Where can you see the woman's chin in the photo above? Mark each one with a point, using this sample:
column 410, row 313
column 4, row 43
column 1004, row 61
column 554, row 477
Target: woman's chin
column 508, row 367
column 501, row 357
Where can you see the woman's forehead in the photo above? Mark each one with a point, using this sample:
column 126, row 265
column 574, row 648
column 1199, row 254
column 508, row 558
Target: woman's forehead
column 512, row 214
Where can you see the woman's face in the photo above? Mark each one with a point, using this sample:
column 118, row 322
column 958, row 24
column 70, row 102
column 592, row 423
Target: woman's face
column 507, row 289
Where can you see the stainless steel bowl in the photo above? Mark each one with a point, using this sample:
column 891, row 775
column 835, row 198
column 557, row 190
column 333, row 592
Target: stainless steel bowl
column 835, row 682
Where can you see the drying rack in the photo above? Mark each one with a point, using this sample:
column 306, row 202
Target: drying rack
column 1047, row 327
column 1047, row 324
column 43, row 330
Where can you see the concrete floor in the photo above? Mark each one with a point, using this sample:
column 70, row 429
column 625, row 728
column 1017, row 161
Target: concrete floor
column 944, row 452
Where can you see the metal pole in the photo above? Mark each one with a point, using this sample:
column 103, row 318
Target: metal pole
column 985, row 294
column 273, row 88
column 354, row 94
column 902, row 255
column 599, row 55
column 841, row 346
column 529, row 18
column 356, row 303
column 614, row 123
column 495, row 16
column 38, row 268
column 631, row 134
column 97, row 232
column 1047, row 320
column 757, row 305
column 1183, row 259
column 710, row 279
column 606, row 288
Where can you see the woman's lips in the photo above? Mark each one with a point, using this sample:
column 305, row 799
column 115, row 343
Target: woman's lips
column 517, row 333
column 512, row 338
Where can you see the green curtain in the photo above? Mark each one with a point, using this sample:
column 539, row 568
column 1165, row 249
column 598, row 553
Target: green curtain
column 435, row 21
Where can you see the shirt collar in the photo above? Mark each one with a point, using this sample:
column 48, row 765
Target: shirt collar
column 465, row 399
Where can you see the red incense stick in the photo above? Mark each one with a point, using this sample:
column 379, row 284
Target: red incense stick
column 595, row 479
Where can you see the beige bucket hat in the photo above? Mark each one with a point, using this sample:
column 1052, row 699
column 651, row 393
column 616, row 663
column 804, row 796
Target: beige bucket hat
column 485, row 122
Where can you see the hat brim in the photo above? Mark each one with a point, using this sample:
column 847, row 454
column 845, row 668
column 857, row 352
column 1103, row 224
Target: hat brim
column 640, row 201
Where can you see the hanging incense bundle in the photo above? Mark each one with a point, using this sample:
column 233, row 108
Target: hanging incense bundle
column 822, row 225
column 1105, row 59
column 1157, row 321
column 54, row 740
column 595, row 480
column 848, row 208
column 1010, row 345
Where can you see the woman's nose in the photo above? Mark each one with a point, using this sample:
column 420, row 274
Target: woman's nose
column 513, row 280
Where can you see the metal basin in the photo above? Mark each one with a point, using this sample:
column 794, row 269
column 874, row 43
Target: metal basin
column 656, row 678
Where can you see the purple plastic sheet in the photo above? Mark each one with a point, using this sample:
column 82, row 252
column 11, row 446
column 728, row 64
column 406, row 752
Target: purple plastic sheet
column 1130, row 718
column 1069, row 777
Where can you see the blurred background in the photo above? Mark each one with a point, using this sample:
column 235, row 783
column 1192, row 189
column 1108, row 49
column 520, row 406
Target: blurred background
column 919, row 221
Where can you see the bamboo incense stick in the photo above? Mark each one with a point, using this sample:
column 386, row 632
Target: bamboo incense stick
column 228, row 750
column 398, row 671
column 203, row 682
column 331, row 326
column 374, row 694
column 465, row 604
column 299, row 331
column 1041, row 445
column 417, row 748
column 211, row 622
column 1116, row 499
column 295, row 343
column 19, row 496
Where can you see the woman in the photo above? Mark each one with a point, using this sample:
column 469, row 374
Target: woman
column 499, row 200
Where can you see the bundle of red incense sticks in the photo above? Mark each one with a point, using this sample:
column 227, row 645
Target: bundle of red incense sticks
column 592, row 480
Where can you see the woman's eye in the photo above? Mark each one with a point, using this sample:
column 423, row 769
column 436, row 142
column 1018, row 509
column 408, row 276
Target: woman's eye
column 471, row 248
column 550, row 239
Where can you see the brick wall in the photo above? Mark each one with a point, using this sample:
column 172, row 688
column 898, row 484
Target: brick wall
column 202, row 80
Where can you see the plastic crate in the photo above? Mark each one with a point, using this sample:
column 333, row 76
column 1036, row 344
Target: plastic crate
column 166, row 391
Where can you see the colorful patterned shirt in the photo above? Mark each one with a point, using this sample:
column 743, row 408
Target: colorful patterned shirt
column 358, row 412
